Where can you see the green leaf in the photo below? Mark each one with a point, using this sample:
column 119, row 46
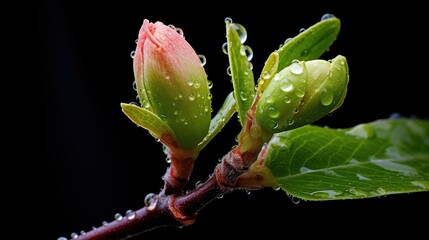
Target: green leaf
column 218, row 122
column 146, row 119
column 379, row 158
column 311, row 43
column 241, row 72
column 268, row 72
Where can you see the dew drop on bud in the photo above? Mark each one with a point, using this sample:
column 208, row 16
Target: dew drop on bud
column 290, row 121
column 172, row 27
column 209, row 84
column 74, row 235
column 132, row 54
column 225, row 48
column 286, row 85
column 179, row 31
column 136, row 41
column 299, row 92
column 135, row 104
column 130, row 214
column 273, row 112
column 326, row 97
column 191, row 97
column 241, row 31
column 61, row 238
column 202, row 59
column 190, row 83
column 228, row 20
column 197, row 84
column 135, row 85
column 82, row 232
column 150, row 201
column 296, row 68
column 327, row 16
column 94, row 228
column 104, row 223
column 301, row 30
column 220, row 197
column 118, row 217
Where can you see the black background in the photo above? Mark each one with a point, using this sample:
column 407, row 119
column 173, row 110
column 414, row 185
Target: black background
column 95, row 162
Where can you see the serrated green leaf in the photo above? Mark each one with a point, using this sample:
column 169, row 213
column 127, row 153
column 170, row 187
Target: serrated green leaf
column 241, row 72
column 311, row 43
column 379, row 158
column 218, row 122
column 146, row 119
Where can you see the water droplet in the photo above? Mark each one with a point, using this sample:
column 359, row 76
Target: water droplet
column 135, row 85
column 296, row 110
column 266, row 75
column 273, row 112
column 94, row 228
column 299, row 92
column 118, row 217
column 288, row 40
column 243, row 96
column 180, row 31
column 145, row 103
column 241, row 31
column 290, row 121
column 104, row 223
column 248, row 192
column 277, row 188
column 296, row 68
column 132, row 54
column 381, row 191
column 136, row 41
column 301, row 30
column 202, row 59
column 357, row 192
column 134, row 103
column 246, row 51
column 61, row 238
column 274, row 125
column 167, row 77
column 74, row 235
column 82, row 232
column 361, row 177
column 168, row 160
column 209, row 84
column 276, row 77
column 342, row 62
column 150, row 201
column 325, row 194
column 250, row 66
column 198, row 184
column 172, row 26
column 228, row 20
column 225, row 48
column 286, row 85
column 326, row 97
column 395, row 116
column 137, row 98
column 228, row 71
column 295, row 200
column 326, row 16
column 209, row 96
column 180, row 96
column 197, row 85
column 220, row 197
column 130, row 214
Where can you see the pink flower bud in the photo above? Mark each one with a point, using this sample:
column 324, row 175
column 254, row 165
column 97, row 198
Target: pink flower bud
column 171, row 82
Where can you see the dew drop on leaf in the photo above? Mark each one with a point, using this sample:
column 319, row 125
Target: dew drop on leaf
column 327, row 16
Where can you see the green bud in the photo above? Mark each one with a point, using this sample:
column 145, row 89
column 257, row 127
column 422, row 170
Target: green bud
column 302, row 93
